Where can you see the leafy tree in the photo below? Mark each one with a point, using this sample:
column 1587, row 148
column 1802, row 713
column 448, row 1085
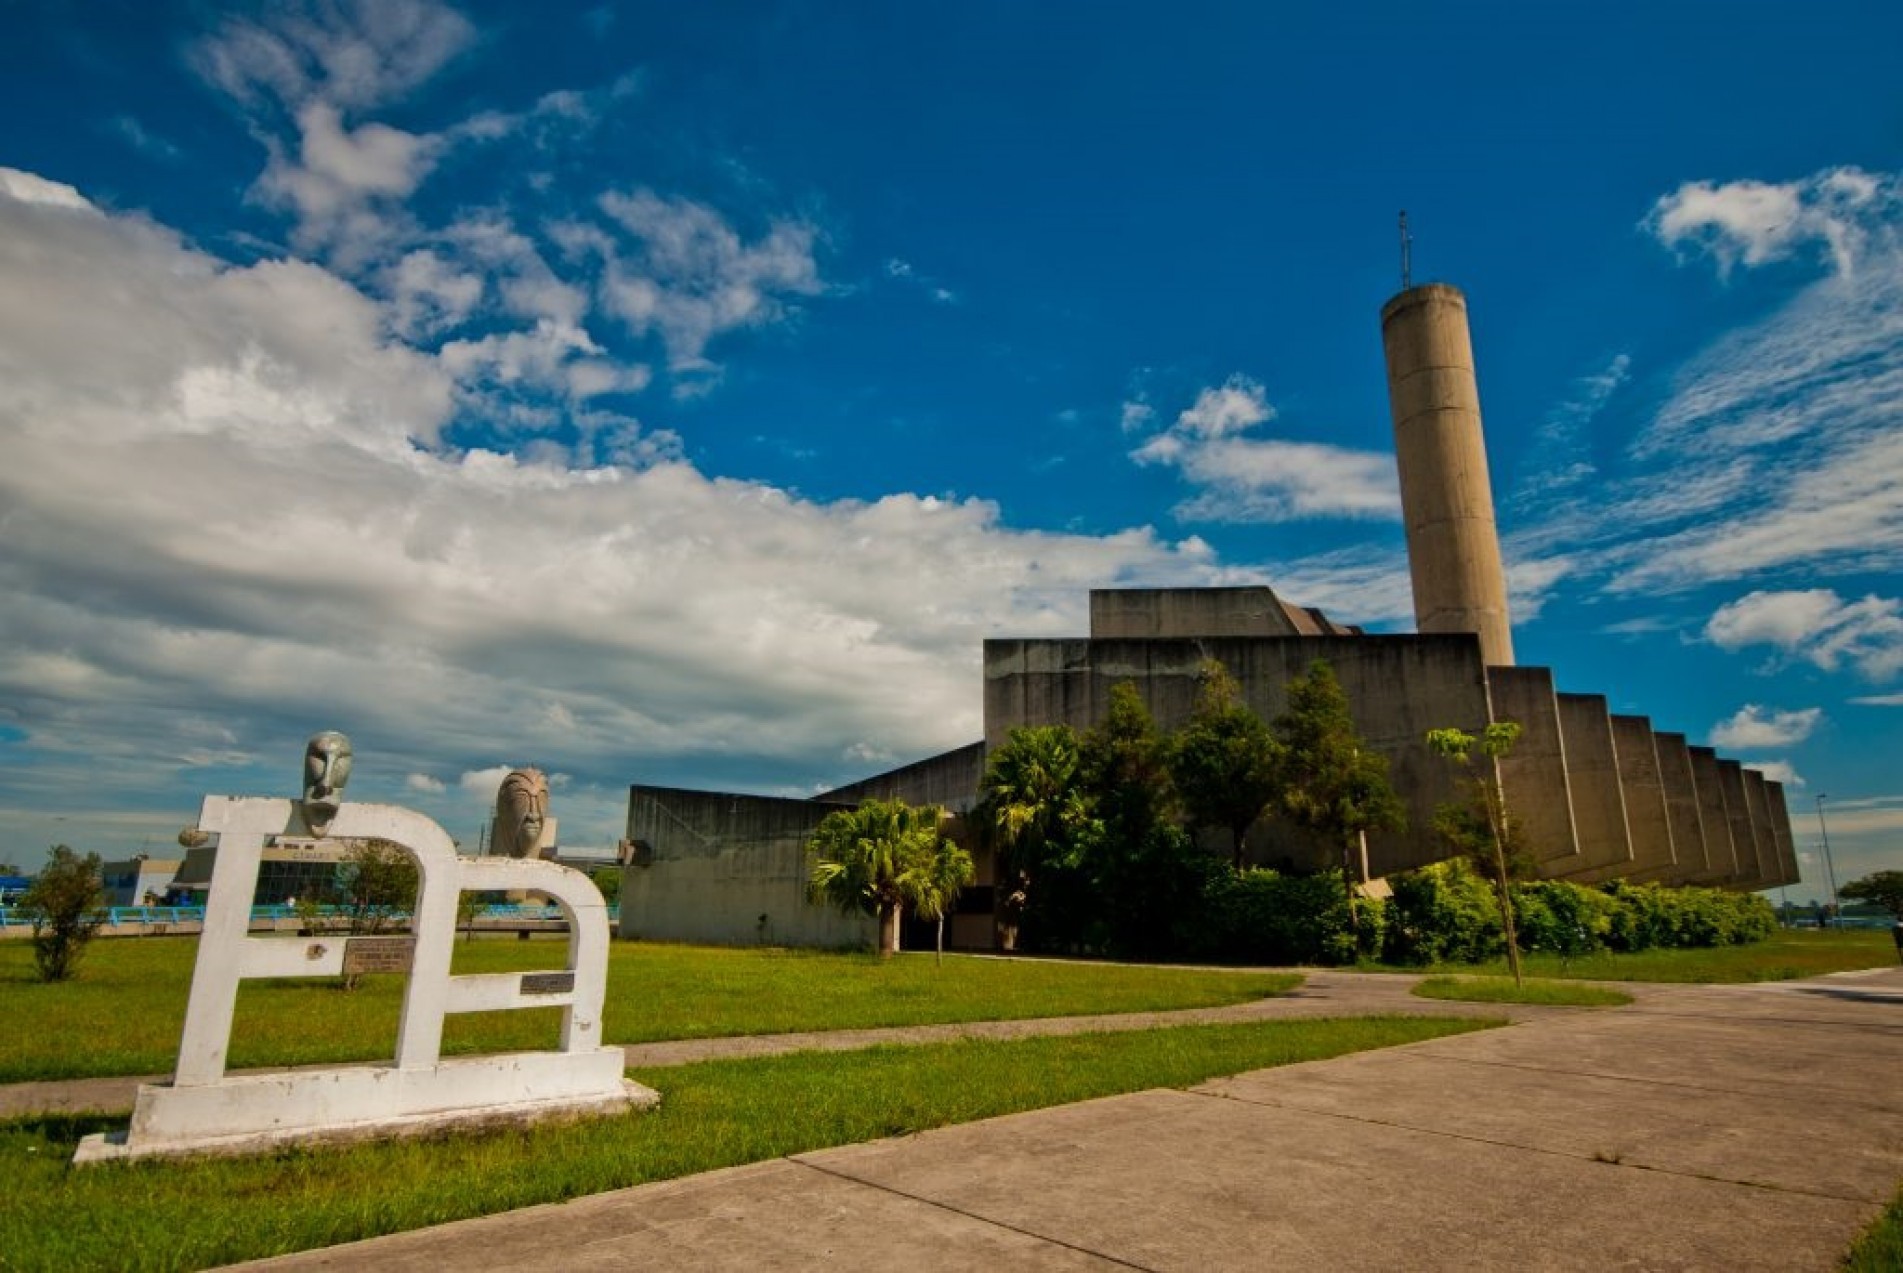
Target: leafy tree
column 608, row 880
column 1482, row 822
column 1126, row 769
column 1884, row 888
column 875, row 859
column 377, row 881
column 932, row 884
column 1333, row 785
column 1039, row 812
column 66, row 906
column 1225, row 763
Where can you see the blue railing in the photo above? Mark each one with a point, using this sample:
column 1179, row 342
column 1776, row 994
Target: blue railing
column 13, row 918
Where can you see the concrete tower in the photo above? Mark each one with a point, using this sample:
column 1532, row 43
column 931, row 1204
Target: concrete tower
column 1453, row 549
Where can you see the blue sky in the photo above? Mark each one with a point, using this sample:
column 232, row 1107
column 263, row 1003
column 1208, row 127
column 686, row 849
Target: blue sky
column 681, row 393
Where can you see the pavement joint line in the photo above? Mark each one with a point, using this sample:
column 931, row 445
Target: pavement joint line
column 1529, row 1149
column 863, row 1183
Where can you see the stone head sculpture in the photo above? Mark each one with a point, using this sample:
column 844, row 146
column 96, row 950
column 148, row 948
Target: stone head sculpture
column 326, row 769
column 521, row 813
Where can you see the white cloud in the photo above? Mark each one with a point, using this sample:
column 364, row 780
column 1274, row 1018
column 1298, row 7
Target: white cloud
column 1254, row 480
column 1818, row 626
column 424, row 783
column 1136, row 415
column 483, row 783
column 248, row 529
column 692, row 276
column 1561, row 457
column 1879, row 700
column 355, row 53
column 1754, row 223
column 26, row 187
column 1754, row 727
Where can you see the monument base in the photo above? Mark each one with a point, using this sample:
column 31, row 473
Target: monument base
column 251, row 1113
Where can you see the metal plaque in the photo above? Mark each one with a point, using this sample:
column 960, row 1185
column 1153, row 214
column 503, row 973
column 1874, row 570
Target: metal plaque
column 547, row 983
column 378, row 954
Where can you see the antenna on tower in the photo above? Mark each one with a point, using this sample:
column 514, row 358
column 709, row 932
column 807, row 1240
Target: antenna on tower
column 1407, row 253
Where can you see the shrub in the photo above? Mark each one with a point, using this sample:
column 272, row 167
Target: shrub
column 1568, row 920
column 65, row 905
column 1260, row 916
column 1443, row 913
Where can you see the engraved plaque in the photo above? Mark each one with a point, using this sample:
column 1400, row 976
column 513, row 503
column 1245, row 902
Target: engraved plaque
column 547, row 983
column 377, row 954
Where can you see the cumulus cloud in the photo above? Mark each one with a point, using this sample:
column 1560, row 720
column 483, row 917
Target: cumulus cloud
column 1245, row 479
column 424, row 783
column 1779, row 771
column 1754, row 727
column 355, row 53
column 1752, row 223
column 230, row 517
column 1817, row 626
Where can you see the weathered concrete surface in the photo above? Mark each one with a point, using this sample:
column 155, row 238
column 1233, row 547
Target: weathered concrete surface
column 1781, row 826
column 1721, row 855
column 1744, row 838
column 1681, row 808
column 1533, row 774
column 1736, row 1128
column 950, row 780
column 1763, row 829
column 1648, row 822
column 1453, row 549
column 728, row 868
column 1592, row 761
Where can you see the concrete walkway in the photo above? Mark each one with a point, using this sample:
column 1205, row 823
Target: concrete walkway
column 1725, row 1128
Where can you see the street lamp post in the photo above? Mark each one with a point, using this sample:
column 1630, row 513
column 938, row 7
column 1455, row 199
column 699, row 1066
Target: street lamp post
column 1830, row 871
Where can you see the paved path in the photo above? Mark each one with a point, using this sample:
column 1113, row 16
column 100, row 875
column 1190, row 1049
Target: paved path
column 1725, row 1128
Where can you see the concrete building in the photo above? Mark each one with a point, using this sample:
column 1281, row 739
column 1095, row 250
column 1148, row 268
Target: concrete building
column 1599, row 796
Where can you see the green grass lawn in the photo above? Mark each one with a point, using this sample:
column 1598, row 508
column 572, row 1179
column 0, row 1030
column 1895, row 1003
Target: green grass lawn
column 190, row 1214
column 1533, row 990
column 124, row 1012
column 1786, row 954
column 1880, row 1248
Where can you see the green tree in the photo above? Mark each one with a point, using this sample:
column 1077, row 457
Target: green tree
column 1482, row 822
column 874, row 859
column 1224, row 761
column 608, row 880
column 1884, row 888
column 931, row 885
column 1125, row 767
column 376, row 881
column 66, row 906
column 1039, row 813
column 1332, row 784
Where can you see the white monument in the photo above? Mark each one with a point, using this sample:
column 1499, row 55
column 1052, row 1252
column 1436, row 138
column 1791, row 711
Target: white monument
column 206, row 1110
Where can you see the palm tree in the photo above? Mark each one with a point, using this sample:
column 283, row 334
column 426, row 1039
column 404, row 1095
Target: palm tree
column 1036, row 805
column 932, row 885
column 866, row 858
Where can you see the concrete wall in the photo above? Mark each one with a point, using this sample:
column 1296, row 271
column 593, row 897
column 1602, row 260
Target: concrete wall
column 1155, row 613
column 1592, row 767
column 1533, row 775
column 1446, row 499
column 721, row 862
column 1647, row 820
column 1721, row 855
column 1758, row 802
column 1744, row 842
column 951, row 780
column 1398, row 688
column 1781, row 827
column 1681, row 808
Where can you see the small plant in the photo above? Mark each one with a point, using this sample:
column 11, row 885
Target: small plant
column 1484, row 820
column 65, row 904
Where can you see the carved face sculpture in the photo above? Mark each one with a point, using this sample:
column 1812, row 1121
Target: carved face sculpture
column 521, row 811
column 326, row 770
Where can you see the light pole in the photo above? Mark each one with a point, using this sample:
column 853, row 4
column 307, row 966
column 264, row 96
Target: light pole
column 1830, row 871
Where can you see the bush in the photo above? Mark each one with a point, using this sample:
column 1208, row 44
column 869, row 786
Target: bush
column 65, row 904
column 1261, row 916
column 1564, row 919
column 1444, row 913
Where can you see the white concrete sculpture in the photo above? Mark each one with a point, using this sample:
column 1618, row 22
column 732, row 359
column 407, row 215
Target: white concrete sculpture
column 206, row 1110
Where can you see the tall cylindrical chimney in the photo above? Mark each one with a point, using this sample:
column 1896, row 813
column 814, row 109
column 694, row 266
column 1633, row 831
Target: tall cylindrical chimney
column 1453, row 548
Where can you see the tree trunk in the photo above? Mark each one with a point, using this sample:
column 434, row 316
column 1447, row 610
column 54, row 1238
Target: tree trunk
column 889, row 915
column 941, row 937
